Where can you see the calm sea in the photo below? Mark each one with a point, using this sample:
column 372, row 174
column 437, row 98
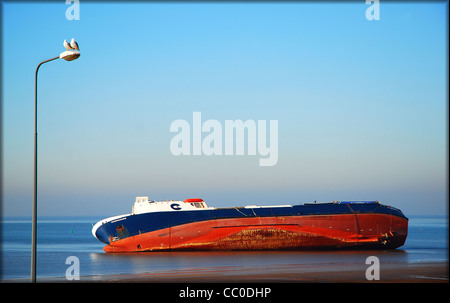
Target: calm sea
column 62, row 237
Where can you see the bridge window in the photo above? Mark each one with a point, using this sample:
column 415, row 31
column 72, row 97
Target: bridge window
column 198, row 204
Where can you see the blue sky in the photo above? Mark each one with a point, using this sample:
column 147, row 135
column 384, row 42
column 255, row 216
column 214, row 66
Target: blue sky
column 361, row 105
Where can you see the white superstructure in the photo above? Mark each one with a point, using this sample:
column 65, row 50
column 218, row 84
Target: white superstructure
column 144, row 205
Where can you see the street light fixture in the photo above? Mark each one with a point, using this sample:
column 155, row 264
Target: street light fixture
column 68, row 55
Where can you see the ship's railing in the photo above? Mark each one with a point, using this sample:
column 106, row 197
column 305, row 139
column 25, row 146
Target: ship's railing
column 357, row 202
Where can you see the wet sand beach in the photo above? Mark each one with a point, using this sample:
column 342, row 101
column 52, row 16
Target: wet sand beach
column 420, row 272
column 436, row 272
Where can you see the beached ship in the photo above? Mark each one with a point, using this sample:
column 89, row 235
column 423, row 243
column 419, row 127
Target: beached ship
column 192, row 225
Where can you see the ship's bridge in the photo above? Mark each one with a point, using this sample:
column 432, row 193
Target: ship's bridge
column 144, row 205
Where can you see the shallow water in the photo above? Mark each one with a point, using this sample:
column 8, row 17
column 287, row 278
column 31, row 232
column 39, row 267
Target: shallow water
column 62, row 237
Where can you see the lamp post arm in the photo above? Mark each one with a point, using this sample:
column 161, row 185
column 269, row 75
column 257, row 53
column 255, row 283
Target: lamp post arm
column 57, row 57
column 34, row 223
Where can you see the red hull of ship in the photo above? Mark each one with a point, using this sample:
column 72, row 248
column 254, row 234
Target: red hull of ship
column 274, row 233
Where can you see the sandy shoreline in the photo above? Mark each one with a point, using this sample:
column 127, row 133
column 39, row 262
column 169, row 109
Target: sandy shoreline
column 420, row 272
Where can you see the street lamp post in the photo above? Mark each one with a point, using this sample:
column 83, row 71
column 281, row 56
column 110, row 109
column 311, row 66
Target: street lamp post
column 68, row 56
